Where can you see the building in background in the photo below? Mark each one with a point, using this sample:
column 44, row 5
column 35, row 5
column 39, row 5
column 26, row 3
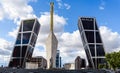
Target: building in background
column 80, row 63
column 69, row 66
column 36, row 62
column 58, row 60
column 25, row 43
column 92, row 42
column 51, row 43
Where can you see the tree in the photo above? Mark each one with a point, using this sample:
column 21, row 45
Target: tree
column 113, row 59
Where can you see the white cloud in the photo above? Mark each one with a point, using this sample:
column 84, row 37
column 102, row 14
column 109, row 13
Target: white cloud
column 62, row 5
column 5, row 47
column 67, row 6
column 59, row 22
column 101, row 8
column 38, row 52
column 5, row 51
column 110, row 39
column 14, row 32
column 15, row 9
column 102, row 5
column 70, row 46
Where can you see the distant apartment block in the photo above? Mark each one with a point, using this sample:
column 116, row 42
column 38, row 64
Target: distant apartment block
column 36, row 63
column 80, row 63
column 92, row 41
column 58, row 60
column 25, row 43
column 69, row 66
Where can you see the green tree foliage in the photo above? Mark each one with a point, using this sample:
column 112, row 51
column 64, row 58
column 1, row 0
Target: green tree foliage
column 102, row 66
column 113, row 59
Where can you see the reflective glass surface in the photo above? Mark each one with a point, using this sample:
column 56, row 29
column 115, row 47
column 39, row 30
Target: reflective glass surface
column 16, row 52
column 24, row 50
column 16, row 62
column 88, row 25
column 101, row 61
column 90, row 36
column 29, row 52
column 37, row 26
column 28, row 25
column 26, row 38
column 33, row 40
column 92, row 49
column 18, row 41
column 100, row 50
column 22, row 59
column 98, row 39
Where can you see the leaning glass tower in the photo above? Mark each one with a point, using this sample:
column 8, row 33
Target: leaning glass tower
column 25, row 43
column 92, row 41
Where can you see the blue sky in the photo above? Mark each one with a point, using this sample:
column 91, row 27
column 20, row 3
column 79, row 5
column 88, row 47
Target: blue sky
column 66, row 14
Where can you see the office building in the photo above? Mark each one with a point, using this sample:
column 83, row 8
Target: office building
column 92, row 41
column 58, row 60
column 80, row 63
column 51, row 43
column 25, row 43
column 36, row 62
column 69, row 66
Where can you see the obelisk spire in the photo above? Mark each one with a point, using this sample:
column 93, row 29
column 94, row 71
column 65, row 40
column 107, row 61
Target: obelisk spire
column 51, row 16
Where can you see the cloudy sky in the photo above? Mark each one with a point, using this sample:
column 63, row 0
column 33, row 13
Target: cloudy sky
column 66, row 14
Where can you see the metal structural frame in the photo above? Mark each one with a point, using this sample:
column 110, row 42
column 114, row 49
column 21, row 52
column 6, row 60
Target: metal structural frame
column 25, row 43
column 92, row 41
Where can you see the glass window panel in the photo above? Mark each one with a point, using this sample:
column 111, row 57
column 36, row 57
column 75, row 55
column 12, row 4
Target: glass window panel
column 88, row 24
column 22, row 59
column 90, row 36
column 18, row 41
column 92, row 49
column 16, row 62
column 83, row 64
column 101, row 61
column 24, row 50
column 16, row 52
column 37, row 26
column 28, row 25
column 26, row 38
column 100, row 50
column 29, row 53
column 98, row 39
column 33, row 40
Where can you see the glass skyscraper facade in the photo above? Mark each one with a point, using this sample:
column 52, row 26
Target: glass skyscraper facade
column 92, row 42
column 25, row 43
column 58, row 60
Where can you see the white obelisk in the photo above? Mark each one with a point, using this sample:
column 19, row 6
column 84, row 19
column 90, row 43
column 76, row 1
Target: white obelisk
column 51, row 43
